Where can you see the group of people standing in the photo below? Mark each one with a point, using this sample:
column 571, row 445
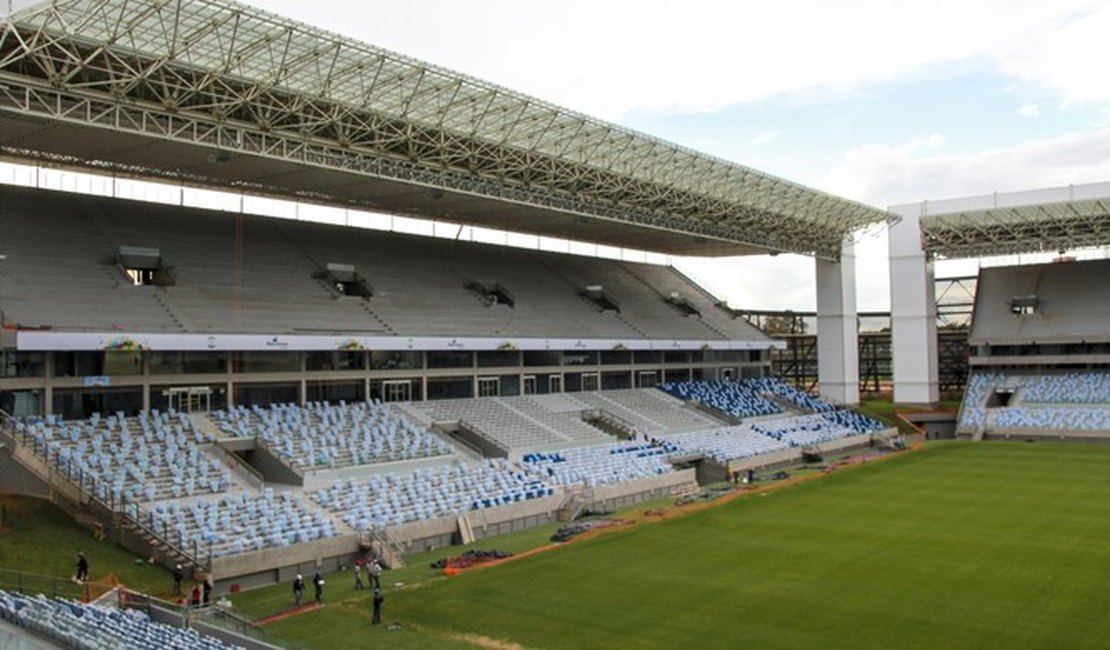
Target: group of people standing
column 317, row 586
column 202, row 591
column 371, row 568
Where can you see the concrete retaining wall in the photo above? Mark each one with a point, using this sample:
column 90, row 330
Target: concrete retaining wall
column 15, row 478
column 315, row 479
column 787, row 456
column 1047, row 435
column 271, row 468
column 611, row 497
column 263, row 566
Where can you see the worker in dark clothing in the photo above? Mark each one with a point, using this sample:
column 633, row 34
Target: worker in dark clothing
column 298, row 589
column 318, row 585
column 378, row 600
column 209, row 586
column 82, row 568
column 178, row 574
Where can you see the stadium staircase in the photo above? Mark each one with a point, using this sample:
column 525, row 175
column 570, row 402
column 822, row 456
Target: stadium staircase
column 717, row 332
column 610, row 423
column 716, row 414
column 363, row 304
column 206, row 425
column 162, row 550
column 384, row 546
column 787, row 405
column 577, row 287
column 103, row 519
column 574, row 503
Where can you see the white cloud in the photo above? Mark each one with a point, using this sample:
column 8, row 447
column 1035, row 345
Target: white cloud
column 887, row 175
column 1029, row 110
column 764, row 138
column 1065, row 54
column 608, row 58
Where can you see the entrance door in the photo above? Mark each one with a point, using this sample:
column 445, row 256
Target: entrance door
column 489, row 386
column 187, row 399
column 647, row 379
column 591, row 381
column 555, row 384
column 397, row 390
column 529, row 384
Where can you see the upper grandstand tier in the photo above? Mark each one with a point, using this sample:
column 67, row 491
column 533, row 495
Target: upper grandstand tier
column 1042, row 304
column 64, row 273
column 216, row 93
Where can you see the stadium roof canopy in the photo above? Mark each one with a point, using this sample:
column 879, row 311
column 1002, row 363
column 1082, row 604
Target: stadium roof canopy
column 216, row 93
column 1050, row 220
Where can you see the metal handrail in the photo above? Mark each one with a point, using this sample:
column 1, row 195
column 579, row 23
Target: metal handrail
column 233, row 460
column 481, row 433
column 609, row 416
column 121, row 508
column 32, row 583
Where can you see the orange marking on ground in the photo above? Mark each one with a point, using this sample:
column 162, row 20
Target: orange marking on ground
column 289, row 613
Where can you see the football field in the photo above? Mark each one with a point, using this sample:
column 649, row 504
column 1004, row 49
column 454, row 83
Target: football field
column 959, row 545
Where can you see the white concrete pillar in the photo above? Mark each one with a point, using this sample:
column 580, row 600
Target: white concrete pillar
column 913, row 311
column 837, row 328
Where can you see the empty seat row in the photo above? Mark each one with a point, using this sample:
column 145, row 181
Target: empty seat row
column 728, row 443
column 156, row 455
column 1052, row 418
column 797, row 397
column 236, row 523
column 448, row 490
column 741, row 399
column 814, row 429
column 601, row 464
column 322, row 435
column 92, row 627
column 1073, row 401
column 1069, row 388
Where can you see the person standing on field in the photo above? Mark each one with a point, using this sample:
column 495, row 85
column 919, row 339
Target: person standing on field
column 378, row 600
column 318, row 585
column 358, row 575
column 376, row 574
column 298, row 589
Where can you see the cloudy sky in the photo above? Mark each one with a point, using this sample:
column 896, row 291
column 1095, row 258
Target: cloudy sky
column 883, row 102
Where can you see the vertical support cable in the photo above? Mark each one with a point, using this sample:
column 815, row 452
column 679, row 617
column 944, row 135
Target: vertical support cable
column 237, row 273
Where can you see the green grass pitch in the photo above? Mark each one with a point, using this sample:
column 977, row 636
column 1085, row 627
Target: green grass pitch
column 1001, row 545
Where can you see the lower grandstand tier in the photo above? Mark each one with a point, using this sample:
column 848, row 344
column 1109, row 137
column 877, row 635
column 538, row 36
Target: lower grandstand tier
column 1009, row 402
column 356, row 472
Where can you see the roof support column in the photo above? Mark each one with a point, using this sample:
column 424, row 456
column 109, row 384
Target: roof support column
column 913, row 311
column 837, row 328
